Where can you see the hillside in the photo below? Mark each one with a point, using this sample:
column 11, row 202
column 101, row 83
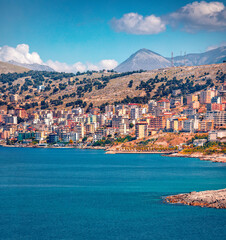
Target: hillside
column 10, row 68
column 63, row 90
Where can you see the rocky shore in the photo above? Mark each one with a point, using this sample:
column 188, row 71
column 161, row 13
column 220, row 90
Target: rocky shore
column 138, row 152
column 220, row 158
column 211, row 199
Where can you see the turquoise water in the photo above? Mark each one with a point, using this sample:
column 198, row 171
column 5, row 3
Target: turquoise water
column 86, row 194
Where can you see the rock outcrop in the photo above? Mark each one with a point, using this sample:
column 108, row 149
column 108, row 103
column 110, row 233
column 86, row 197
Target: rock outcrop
column 211, row 199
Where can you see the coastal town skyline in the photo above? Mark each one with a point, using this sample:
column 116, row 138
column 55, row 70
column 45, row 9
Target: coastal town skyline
column 53, row 109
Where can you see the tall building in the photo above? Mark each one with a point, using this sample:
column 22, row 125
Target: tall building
column 191, row 125
column 192, row 98
column 219, row 118
column 206, row 125
column 53, row 138
column 141, row 130
column 110, row 108
column 135, row 113
column 157, row 122
column 206, row 96
column 80, row 129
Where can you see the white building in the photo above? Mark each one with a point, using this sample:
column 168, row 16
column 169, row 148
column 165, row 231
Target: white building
column 191, row 125
column 217, row 136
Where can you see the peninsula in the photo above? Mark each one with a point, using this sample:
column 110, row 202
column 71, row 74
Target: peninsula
column 211, row 199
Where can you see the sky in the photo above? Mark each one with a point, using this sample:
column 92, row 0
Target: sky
column 71, row 35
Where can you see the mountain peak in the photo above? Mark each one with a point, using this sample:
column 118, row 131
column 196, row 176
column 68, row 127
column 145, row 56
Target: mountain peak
column 144, row 59
column 145, row 50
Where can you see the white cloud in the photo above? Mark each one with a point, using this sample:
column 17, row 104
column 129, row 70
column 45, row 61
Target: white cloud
column 21, row 54
column 64, row 67
column 199, row 16
column 108, row 64
column 212, row 47
column 134, row 23
column 192, row 17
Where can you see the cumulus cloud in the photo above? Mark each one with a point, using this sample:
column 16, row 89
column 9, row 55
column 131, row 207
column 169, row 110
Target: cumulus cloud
column 19, row 54
column 108, row 64
column 137, row 24
column 199, row 16
column 22, row 55
column 64, row 67
column 192, row 17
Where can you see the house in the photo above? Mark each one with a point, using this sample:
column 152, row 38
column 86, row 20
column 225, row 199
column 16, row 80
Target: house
column 199, row 142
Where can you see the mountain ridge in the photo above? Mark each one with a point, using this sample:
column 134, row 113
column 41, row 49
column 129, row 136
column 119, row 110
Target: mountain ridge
column 34, row 66
column 146, row 59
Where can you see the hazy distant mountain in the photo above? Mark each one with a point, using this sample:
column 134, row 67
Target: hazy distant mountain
column 217, row 55
column 148, row 60
column 143, row 59
column 34, row 66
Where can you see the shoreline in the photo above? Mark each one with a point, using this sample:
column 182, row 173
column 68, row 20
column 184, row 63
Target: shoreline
column 216, row 158
column 134, row 152
column 54, row 147
column 209, row 198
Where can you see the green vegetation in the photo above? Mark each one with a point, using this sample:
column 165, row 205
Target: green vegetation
column 207, row 149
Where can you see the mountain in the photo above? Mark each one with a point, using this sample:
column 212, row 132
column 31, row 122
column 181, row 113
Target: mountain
column 10, row 68
column 214, row 56
column 148, row 60
column 34, row 66
column 143, row 59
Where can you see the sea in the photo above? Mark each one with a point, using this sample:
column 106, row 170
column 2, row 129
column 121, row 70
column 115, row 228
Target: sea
column 87, row 194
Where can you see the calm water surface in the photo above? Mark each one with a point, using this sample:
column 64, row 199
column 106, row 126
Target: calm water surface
column 86, row 194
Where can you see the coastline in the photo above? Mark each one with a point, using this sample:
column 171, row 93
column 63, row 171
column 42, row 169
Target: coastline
column 134, row 152
column 209, row 198
column 54, row 147
column 219, row 158
column 216, row 158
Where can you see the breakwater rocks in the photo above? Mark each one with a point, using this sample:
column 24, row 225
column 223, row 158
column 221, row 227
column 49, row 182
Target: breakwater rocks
column 211, row 199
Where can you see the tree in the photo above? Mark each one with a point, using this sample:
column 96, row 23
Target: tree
column 130, row 83
column 84, row 139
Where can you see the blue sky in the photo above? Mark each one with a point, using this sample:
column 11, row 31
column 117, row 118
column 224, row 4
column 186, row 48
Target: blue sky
column 71, row 31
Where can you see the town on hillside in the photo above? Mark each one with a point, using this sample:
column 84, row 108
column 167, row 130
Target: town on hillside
column 164, row 125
